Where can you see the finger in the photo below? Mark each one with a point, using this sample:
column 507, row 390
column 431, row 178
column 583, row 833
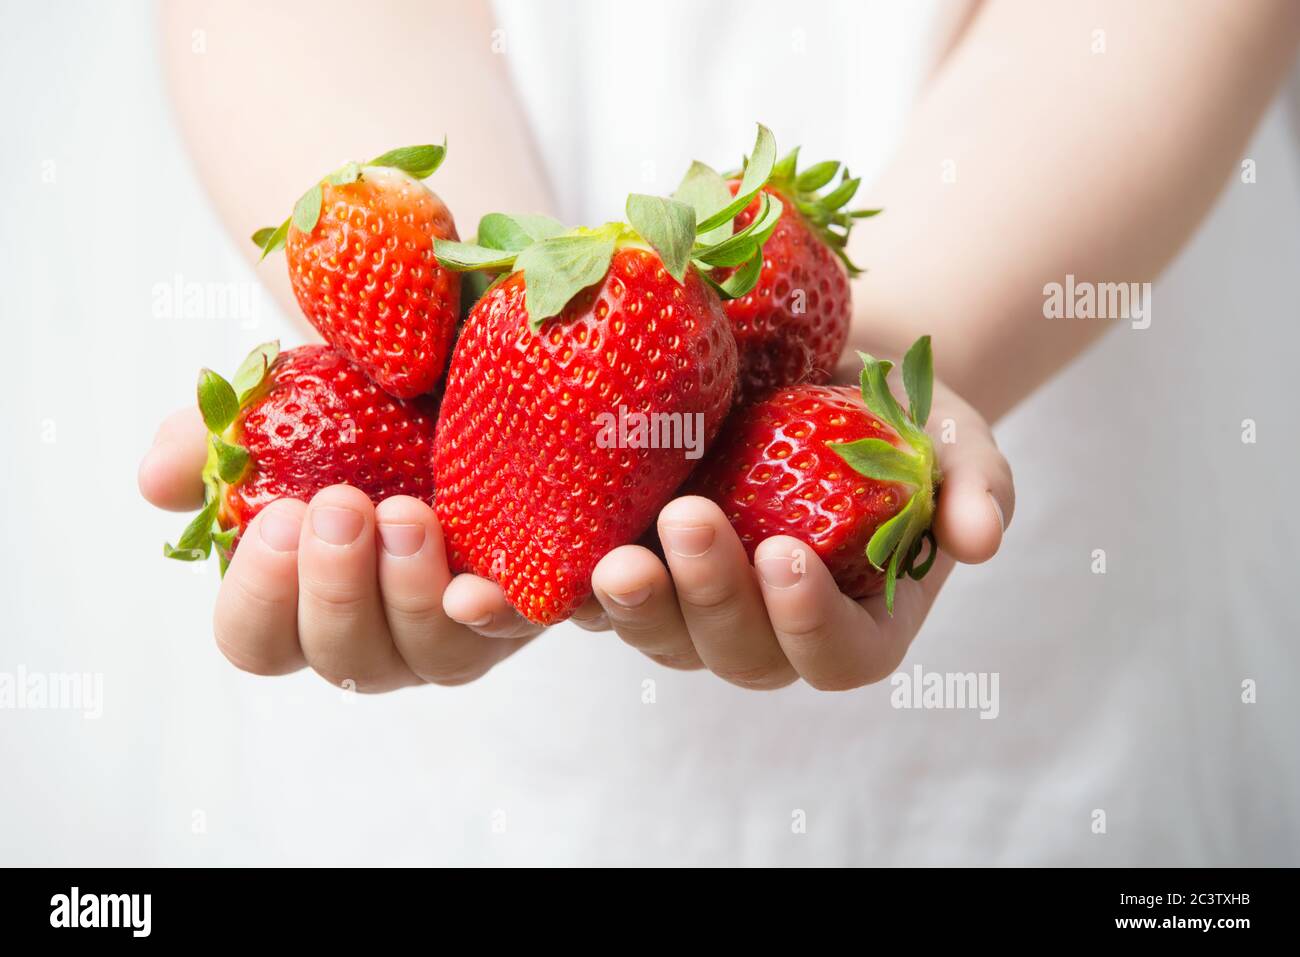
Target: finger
column 341, row 622
column 912, row 603
column 719, row 597
column 171, row 472
column 481, row 606
column 977, row 497
column 634, row 588
column 834, row 642
column 256, row 618
column 591, row 617
column 413, row 575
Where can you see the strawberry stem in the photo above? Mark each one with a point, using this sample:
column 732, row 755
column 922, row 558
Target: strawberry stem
column 228, row 462
column 696, row 226
column 897, row 544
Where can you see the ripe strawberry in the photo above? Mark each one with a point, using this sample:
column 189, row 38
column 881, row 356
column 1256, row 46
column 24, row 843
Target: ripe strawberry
column 292, row 423
column 543, row 461
column 792, row 326
column 361, row 261
column 846, row 471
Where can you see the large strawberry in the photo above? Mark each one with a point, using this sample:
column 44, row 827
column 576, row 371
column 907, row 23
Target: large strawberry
column 292, row 423
column 585, row 385
column 361, row 261
column 847, row 471
column 792, row 326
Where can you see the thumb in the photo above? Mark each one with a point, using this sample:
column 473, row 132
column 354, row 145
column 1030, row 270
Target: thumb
column 171, row 472
column 977, row 497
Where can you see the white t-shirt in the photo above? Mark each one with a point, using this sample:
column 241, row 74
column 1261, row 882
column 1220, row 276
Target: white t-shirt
column 1121, row 734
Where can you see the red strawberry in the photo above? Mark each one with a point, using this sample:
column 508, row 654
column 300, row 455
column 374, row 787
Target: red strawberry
column 529, row 494
column 846, row 471
column 792, row 326
column 360, row 252
column 292, row 423
column 551, row 447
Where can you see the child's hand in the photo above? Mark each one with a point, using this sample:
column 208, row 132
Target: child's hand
column 360, row 593
column 363, row 594
column 766, row 628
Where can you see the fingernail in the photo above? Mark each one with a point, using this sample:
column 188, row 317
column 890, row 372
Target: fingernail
column 688, row 541
column 630, row 599
column 780, row 571
column 336, row 526
column 402, row 541
column 280, row 531
column 1002, row 522
column 476, row 623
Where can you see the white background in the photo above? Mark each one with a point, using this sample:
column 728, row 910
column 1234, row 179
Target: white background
column 1120, row 692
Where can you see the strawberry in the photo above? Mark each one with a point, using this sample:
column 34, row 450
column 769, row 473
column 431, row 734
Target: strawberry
column 292, row 423
column 847, row 471
column 792, row 326
column 585, row 385
column 361, row 261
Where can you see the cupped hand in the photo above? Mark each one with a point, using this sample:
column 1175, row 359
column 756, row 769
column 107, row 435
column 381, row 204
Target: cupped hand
column 360, row 593
column 363, row 594
column 783, row 618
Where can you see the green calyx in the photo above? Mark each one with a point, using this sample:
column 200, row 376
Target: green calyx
column 694, row 227
column 823, row 208
column 897, row 545
column 220, row 402
column 416, row 161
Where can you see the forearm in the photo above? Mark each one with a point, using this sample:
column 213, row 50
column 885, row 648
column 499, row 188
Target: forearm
column 267, row 94
column 1032, row 157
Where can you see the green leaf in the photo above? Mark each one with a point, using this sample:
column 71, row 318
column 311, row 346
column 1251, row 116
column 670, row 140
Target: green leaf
column 196, row 541
column 232, row 460
column 706, row 192
column 783, row 171
column 668, row 226
column 515, row 233
column 270, row 239
column 865, row 213
column 757, row 172
column 841, row 194
column 739, row 282
column 557, row 269
column 880, row 460
column 306, row 212
column 252, row 370
column 225, row 544
column 418, row 161
column 918, row 379
column 917, row 572
column 463, row 257
column 817, row 176
column 891, row 582
column 347, row 173
column 217, row 401
column 745, row 278
column 876, row 394
column 225, row 539
column 884, row 542
column 740, row 247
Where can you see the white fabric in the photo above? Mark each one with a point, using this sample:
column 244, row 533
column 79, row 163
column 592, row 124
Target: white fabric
column 1118, row 692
